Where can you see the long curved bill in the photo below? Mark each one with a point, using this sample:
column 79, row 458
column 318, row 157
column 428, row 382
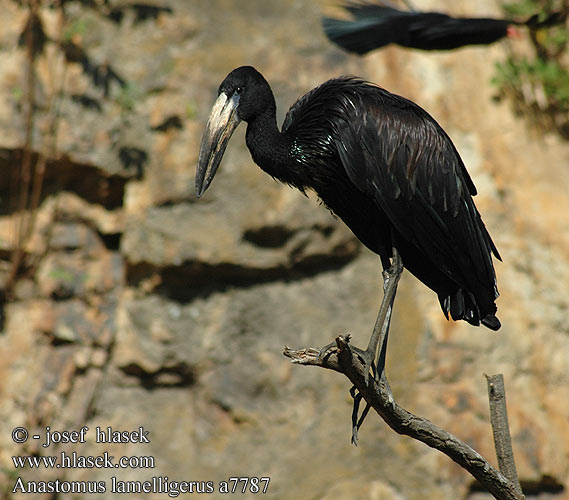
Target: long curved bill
column 222, row 122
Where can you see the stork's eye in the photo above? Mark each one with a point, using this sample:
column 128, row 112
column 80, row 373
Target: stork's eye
column 239, row 90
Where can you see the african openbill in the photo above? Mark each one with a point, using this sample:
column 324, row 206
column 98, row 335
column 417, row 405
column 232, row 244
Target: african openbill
column 374, row 25
column 385, row 167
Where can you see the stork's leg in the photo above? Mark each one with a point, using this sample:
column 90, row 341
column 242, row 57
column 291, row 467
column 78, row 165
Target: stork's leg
column 380, row 332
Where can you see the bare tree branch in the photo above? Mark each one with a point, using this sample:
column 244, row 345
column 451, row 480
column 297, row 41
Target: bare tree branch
column 501, row 430
column 25, row 171
column 27, row 185
column 346, row 359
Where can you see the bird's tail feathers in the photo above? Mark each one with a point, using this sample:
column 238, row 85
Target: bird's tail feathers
column 352, row 36
column 462, row 305
column 492, row 322
column 370, row 28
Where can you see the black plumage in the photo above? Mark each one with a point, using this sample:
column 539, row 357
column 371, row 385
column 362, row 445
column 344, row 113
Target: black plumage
column 375, row 25
column 380, row 163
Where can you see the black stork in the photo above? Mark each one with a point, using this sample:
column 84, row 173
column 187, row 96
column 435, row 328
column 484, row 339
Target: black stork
column 374, row 25
column 386, row 168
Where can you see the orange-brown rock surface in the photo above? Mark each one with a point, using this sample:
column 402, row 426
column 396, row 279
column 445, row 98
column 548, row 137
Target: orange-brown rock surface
column 143, row 307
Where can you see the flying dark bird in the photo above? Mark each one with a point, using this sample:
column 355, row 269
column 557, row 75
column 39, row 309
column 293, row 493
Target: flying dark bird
column 380, row 163
column 376, row 25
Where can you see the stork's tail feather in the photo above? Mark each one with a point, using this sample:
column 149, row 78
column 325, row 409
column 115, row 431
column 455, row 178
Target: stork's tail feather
column 462, row 305
column 368, row 30
column 492, row 322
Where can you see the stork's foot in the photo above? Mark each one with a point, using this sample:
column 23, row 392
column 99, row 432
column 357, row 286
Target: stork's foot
column 367, row 358
column 357, row 423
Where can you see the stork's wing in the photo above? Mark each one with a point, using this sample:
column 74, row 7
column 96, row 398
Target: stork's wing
column 376, row 25
column 396, row 153
column 434, row 31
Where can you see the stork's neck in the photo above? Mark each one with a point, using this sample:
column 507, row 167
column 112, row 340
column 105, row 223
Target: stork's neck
column 265, row 142
column 271, row 149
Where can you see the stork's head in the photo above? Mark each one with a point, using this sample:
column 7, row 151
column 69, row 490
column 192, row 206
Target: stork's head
column 242, row 96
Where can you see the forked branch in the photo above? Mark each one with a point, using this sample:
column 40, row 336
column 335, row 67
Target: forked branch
column 347, row 360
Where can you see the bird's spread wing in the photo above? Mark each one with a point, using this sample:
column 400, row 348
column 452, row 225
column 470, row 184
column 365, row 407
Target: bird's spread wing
column 375, row 25
column 397, row 154
column 435, row 31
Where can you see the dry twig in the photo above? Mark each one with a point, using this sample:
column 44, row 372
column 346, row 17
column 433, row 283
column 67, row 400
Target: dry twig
column 346, row 359
column 501, row 429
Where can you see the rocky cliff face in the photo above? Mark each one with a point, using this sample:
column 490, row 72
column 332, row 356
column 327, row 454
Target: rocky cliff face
column 139, row 306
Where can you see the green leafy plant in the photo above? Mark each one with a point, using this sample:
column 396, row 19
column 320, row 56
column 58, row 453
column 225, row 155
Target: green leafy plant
column 537, row 81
